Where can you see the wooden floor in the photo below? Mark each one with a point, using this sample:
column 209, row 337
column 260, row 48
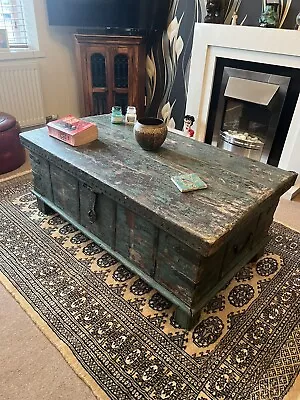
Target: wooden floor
column 32, row 369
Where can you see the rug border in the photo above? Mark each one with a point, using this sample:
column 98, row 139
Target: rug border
column 16, row 176
column 287, row 226
column 54, row 339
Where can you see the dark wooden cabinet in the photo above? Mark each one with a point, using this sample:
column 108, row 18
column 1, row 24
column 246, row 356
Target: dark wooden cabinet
column 112, row 70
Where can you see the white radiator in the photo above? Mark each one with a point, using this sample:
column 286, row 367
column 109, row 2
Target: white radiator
column 21, row 93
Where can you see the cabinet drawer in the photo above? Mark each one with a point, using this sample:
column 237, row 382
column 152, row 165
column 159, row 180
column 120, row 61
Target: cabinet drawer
column 266, row 217
column 174, row 254
column 239, row 245
column 178, row 267
column 65, row 191
column 136, row 239
column 184, row 271
column 39, row 164
column 42, row 185
column 41, row 176
column 97, row 214
column 176, row 283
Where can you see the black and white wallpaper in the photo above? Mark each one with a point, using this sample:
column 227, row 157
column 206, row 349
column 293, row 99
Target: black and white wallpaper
column 168, row 61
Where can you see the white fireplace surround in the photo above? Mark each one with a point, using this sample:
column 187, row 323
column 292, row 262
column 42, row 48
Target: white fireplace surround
column 260, row 45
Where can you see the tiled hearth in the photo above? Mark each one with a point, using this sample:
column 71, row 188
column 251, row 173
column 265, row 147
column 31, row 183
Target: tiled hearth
column 269, row 51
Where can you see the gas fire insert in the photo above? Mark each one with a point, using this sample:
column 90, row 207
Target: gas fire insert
column 249, row 109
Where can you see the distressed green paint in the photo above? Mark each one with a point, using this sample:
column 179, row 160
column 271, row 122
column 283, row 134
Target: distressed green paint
column 235, row 185
column 185, row 245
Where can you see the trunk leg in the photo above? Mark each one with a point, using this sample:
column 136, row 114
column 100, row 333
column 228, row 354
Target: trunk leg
column 185, row 319
column 44, row 208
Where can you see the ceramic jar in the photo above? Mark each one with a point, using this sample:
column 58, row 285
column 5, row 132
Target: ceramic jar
column 150, row 133
column 116, row 115
column 130, row 117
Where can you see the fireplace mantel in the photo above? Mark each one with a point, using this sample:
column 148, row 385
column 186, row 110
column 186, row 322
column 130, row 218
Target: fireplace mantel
column 261, row 45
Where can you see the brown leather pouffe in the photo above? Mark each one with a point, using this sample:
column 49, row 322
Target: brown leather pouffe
column 12, row 153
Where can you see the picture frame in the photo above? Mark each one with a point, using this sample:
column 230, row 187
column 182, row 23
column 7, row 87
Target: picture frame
column 4, row 45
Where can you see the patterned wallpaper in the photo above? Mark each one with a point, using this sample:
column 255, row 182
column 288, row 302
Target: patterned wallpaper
column 168, row 62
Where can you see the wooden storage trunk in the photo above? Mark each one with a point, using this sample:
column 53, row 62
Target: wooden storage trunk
column 186, row 245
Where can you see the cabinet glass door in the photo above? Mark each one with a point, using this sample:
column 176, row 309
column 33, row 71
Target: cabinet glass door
column 121, row 71
column 98, row 80
column 98, row 70
column 121, row 82
column 99, row 84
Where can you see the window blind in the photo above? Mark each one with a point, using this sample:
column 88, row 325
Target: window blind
column 12, row 19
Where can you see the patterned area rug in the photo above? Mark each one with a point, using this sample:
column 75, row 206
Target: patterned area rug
column 120, row 336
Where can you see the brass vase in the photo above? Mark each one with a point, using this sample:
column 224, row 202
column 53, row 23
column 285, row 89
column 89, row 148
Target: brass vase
column 150, row 133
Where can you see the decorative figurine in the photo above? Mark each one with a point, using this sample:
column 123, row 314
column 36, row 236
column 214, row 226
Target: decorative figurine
column 234, row 18
column 214, row 12
column 187, row 127
column 270, row 16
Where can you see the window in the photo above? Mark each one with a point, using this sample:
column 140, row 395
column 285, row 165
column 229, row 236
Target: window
column 12, row 19
column 17, row 17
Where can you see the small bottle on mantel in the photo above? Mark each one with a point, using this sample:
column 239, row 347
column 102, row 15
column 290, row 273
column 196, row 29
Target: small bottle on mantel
column 130, row 118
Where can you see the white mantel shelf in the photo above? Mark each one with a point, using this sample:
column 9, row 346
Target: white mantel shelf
column 260, row 45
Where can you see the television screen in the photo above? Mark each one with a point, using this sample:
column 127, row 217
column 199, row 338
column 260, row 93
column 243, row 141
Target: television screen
column 142, row 15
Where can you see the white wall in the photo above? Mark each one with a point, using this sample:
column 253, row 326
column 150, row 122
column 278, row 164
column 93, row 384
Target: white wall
column 58, row 67
column 294, row 164
column 57, row 62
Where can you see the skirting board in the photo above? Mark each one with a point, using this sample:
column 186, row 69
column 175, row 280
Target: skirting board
column 292, row 193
